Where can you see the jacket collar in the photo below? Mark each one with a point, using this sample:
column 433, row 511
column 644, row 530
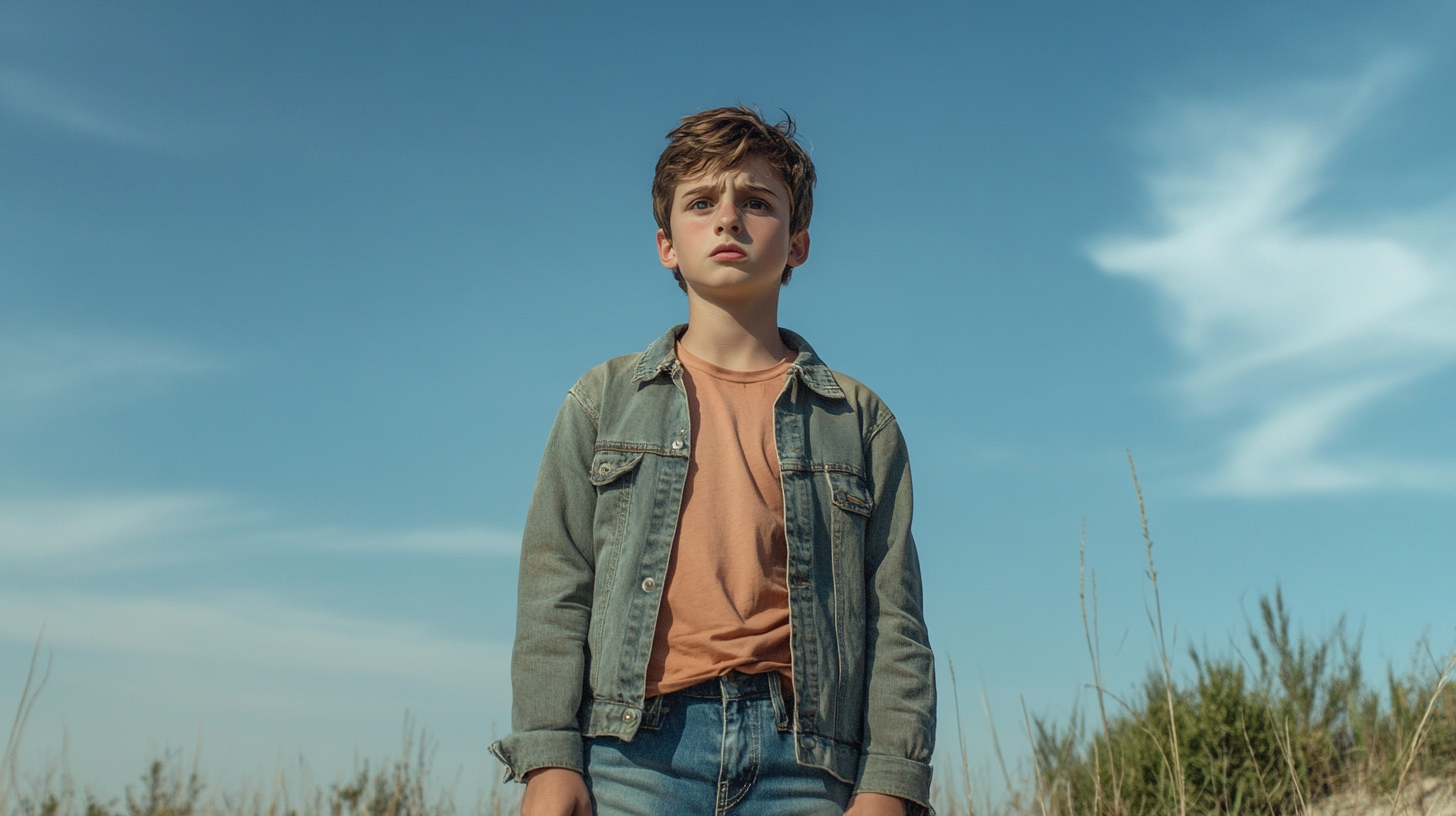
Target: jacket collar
column 662, row 356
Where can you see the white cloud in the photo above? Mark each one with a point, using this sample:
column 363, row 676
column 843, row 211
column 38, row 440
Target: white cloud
column 28, row 97
column 470, row 540
column 42, row 367
column 106, row 531
column 250, row 631
column 250, row 684
column 32, row 528
column 1290, row 324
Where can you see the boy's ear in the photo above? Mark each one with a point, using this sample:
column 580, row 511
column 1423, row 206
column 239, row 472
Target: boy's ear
column 798, row 248
column 665, row 251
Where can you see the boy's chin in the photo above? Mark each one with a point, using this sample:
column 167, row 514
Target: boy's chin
column 731, row 279
column 742, row 293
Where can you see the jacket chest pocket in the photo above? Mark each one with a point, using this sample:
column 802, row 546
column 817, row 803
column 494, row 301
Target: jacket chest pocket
column 853, row 504
column 609, row 466
column 613, row 473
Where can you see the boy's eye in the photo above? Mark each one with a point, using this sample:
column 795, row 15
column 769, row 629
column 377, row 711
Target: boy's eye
column 756, row 204
column 700, row 204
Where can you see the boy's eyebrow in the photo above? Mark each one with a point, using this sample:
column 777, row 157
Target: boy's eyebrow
column 694, row 192
column 698, row 190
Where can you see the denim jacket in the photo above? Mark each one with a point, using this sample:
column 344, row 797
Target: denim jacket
column 596, row 547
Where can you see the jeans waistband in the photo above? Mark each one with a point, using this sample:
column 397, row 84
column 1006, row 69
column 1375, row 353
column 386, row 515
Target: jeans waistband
column 734, row 685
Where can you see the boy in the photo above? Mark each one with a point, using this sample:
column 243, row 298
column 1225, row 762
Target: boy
column 719, row 593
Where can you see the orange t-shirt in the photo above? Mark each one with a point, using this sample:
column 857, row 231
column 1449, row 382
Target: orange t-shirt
column 726, row 603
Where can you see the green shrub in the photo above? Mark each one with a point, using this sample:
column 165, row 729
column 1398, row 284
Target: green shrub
column 1297, row 725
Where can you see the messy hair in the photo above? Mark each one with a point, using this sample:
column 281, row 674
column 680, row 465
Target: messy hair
column 723, row 138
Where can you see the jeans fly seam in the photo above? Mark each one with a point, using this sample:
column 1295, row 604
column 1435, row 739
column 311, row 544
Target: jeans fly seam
column 753, row 758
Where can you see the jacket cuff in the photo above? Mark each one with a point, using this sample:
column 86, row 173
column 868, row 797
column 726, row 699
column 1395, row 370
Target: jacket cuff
column 525, row 752
column 897, row 776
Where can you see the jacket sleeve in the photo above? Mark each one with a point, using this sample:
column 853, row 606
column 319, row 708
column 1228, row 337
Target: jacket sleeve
column 553, row 610
column 899, row 717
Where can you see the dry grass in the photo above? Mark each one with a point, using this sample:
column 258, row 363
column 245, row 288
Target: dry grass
column 9, row 778
column 1295, row 730
column 171, row 786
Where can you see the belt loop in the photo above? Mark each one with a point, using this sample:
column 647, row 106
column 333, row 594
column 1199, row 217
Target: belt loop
column 776, row 694
column 653, row 711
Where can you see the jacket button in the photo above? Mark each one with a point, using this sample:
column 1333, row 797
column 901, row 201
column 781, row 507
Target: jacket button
column 677, row 444
column 647, row 585
column 603, row 469
column 629, row 715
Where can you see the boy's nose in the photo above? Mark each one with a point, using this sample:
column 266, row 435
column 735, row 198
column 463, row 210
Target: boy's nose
column 728, row 220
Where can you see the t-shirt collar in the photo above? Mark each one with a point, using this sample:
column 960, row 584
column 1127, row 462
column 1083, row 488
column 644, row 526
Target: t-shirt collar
column 661, row 357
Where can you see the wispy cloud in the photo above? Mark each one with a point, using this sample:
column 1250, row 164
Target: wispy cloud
column 1291, row 323
column 250, row 631
column 469, row 540
column 31, row 98
column 37, row 528
column 42, row 367
column 102, row 532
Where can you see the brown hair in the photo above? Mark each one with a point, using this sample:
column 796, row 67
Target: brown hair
column 722, row 138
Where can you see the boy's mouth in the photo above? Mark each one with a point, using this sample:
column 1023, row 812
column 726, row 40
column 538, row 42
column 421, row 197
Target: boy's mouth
column 728, row 252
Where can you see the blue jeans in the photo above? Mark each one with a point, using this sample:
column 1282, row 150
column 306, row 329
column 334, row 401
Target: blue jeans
column 722, row 745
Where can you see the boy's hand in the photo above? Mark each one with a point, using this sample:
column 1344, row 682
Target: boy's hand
column 875, row 804
column 555, row 792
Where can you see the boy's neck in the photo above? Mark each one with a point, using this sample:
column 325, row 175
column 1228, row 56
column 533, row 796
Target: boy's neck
column 738, row 337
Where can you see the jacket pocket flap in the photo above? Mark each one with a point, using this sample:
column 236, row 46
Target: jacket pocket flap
column 851, row 494
column 610, row 465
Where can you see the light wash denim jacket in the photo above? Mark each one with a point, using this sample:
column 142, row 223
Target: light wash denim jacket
column 600, row 531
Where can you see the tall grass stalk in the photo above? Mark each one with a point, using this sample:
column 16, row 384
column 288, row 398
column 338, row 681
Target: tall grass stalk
column 961, row 735
column 995, row 741
column 1420, row 735
column 1286, row 748
column 1094, row 653
column 1041, row 783
column 1179, row 783
column 9, row 780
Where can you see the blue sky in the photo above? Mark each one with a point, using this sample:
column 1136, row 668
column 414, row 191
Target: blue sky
column 289, row 294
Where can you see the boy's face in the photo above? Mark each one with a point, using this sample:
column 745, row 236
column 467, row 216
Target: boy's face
column 730, row 232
